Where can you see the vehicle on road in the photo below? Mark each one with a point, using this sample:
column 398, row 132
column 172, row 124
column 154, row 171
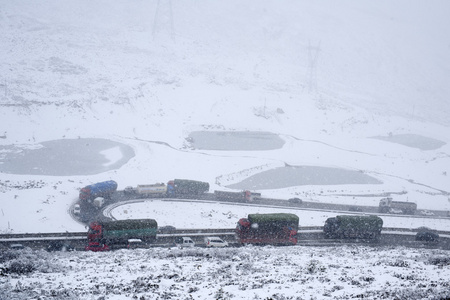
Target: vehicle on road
column 176, row 187
column 215, row 242
column 16, row 247
column 355, row 209
column 184, row 241
column 388, row 205
column 295, row 200
column 118, row 232
column 242, row 196
column 277, row 228
column 59, row 246
column 426, row 213
column 425, row 234
column 101, row 189
column 167, row 229
column 363, row 227
column 135, row 244
column 96, row 247
column 76, row 209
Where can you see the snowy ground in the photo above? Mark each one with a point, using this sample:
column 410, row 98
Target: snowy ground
column 234, row 273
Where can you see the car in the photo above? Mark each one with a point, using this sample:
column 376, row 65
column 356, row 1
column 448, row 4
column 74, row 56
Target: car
column 355, row 208
column 396, row 211
column 215, row 242
column 76, row 209
column 129, row 190
column 97, row 247
column 167, row 229
column 59, row 246
column 295, row 200
column 425, row 234
column 426, row 213
column 16, row 246
column 184, row 241
column 135, row 244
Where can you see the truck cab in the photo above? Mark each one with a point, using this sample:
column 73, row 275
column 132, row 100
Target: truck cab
column 96, row 247
column 94, row 232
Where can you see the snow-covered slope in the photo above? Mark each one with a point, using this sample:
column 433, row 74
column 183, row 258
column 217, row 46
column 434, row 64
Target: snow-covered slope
column 326, row 77
column 238, row 273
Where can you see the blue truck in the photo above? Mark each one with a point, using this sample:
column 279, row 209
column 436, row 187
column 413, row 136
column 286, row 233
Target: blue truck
column 101, row 189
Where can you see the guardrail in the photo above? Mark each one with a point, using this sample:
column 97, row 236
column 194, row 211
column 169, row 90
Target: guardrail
column 190, row 231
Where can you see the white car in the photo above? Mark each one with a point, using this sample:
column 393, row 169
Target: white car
column 182, row 242
column 135, row 243
column 76, row 209
column 215, row 242
column 426, row 213
column 16, row 246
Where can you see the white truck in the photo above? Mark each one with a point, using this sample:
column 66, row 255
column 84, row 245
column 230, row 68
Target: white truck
column 99, row 202
column 388, row 205
column 148, row 190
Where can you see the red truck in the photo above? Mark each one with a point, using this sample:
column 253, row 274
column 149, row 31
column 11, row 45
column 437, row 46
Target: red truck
column 275, row 229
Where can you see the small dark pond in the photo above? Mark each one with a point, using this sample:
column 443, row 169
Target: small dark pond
column 65, row 157
column 284, row 177
column 413, row 141
column 235, row 140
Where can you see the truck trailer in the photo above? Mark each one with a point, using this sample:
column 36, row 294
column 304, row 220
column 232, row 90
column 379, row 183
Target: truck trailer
column 101, row 189
column 242, row 196
column 187, row 187
column 177, row 187
column 120, row 231
column 364, row 227
column 388, row 205
column 277, row 228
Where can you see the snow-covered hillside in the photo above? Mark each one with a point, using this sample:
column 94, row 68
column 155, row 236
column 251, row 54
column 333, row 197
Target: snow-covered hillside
column 325, row 77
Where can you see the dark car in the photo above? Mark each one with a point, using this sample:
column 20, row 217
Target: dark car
column 355, row 208
column 59, row 246
column 425, row 234
column 295, row 200
column 167, row 229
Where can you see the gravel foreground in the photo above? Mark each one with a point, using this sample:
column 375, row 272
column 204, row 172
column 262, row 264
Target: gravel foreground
column 346, row 272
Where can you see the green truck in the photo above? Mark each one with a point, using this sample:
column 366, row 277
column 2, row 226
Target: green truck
column 187, row 187
column 276, row 228
column 347, row 227
column 119, row 232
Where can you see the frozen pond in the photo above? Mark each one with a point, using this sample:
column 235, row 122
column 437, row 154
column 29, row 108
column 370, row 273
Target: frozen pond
column 284, row 177
column 235, row 140
column 65, row 157
column 413, row 140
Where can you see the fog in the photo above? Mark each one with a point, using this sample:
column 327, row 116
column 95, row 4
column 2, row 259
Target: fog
column 338, row 103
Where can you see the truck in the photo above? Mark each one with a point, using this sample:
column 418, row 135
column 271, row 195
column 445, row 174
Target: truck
column 101, row 189
column 352, row 226
column 388, row 205
column 242, row 196
column 273, row 229
column 99, row 202
column 156, row 189
column 177, row 187
column 187, row 187
column 104, row 234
